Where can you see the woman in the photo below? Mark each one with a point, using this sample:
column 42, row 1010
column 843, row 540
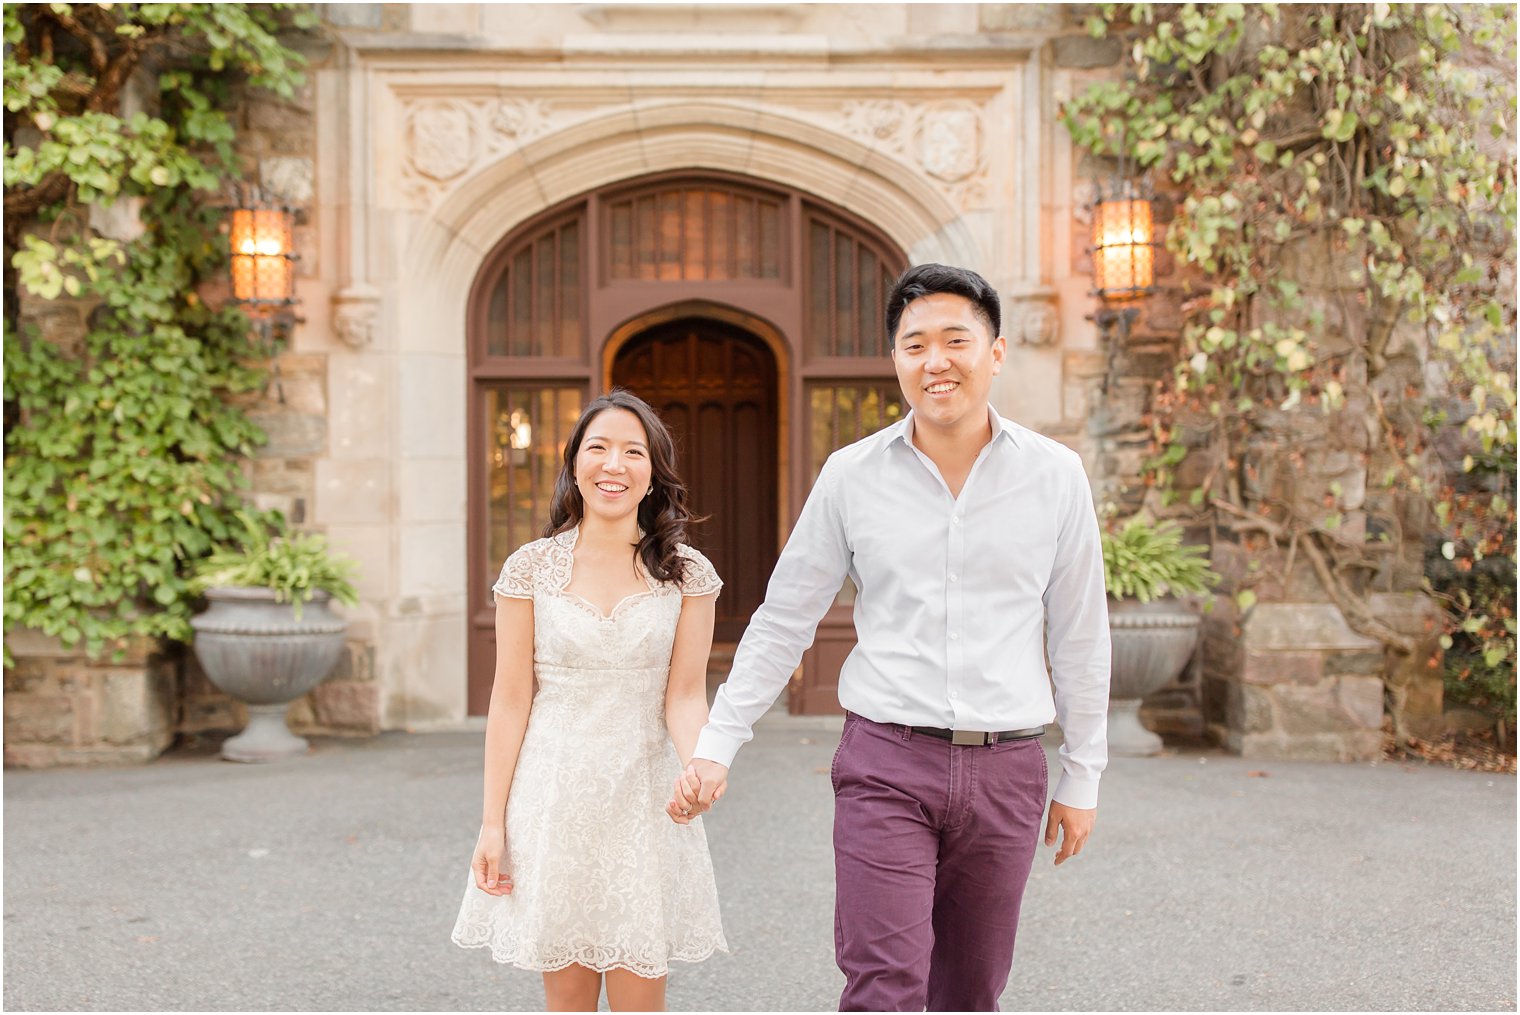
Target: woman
column 578, row 871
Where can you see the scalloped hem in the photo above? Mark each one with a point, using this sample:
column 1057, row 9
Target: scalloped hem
column 643, row 972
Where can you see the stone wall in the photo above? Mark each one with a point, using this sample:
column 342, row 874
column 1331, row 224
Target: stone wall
column 61, row 708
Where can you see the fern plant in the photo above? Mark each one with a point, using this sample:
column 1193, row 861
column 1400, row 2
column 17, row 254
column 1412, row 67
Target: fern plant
column 294, row 566
column 1145, row 560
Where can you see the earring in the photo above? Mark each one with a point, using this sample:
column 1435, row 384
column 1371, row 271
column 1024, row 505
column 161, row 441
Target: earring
column 648, row 492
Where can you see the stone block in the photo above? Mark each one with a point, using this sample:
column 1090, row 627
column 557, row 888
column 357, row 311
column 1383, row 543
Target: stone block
column 291, row 434
column 1302, row 626
column 1254, row 710
column 28, row 676
column 137, row 705
column 1354, row 664
column 352, row 15
column 1275, row 745
column 38, row 719
column 276, row 119
column 1022, row 17
column 1235, row 708
column 1412, row 613
column 1163, row 310
column 1361, row 701
column 348, row 706
column 291, row 477
column 1083, row 51
column 301, row 715
column 1223, row 655
column 1305, row 711
column 1269, row 667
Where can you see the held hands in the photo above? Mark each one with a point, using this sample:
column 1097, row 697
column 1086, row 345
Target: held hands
column 1075, row 823
column 489, row 862
column 698, row 788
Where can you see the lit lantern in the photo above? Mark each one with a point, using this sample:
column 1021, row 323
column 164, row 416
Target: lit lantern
column 1123, row 244
column 263, row 263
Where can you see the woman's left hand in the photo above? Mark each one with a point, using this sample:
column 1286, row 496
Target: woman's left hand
column 684, row 796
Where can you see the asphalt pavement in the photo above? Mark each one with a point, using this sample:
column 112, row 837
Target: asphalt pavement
column 332, row 882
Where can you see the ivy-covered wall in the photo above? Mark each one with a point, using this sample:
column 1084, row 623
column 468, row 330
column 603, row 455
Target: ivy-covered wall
column 1327, row 383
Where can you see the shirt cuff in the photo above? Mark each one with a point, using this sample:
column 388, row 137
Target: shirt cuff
column 714, row 746
column 1079, row 793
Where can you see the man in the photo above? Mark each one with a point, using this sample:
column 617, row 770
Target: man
column 974, row 546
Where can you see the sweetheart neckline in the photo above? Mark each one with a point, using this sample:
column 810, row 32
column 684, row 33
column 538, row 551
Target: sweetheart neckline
column 592, row 608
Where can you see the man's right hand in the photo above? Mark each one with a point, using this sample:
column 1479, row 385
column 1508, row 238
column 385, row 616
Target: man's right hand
column 699, row 787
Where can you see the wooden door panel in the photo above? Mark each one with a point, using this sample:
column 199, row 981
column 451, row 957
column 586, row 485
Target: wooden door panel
column 715, row 386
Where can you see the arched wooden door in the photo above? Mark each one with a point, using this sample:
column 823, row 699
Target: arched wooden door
column 714, row 384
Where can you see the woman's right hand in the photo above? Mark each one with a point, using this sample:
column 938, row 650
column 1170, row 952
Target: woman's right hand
column 490, row 862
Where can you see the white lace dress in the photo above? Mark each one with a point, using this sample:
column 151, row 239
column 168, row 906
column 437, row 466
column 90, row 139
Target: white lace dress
column 601, row 875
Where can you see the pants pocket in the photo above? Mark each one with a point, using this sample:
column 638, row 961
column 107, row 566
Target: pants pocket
column 850, row 723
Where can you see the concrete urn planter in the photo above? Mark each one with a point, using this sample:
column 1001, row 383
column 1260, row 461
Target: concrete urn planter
column 1152, row 642
column 253, row 648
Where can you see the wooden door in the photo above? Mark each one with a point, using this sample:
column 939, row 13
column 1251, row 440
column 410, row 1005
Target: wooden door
column 714, row 384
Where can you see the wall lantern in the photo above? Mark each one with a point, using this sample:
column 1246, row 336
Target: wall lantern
column 1124, row 246
column 1124, row 252
column 262, row 238
column 263, row 258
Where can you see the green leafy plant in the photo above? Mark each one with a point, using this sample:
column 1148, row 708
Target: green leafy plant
column 268, row 556
column 1342, row 386
column 126, row 439
column 1145, row 560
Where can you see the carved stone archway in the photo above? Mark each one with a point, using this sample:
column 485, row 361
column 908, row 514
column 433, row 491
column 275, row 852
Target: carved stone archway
column 417, row 202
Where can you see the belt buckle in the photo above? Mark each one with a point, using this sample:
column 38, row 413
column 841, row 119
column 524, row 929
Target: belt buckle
column 968, row 738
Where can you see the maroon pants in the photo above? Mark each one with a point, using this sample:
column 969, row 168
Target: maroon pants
column 932, row 849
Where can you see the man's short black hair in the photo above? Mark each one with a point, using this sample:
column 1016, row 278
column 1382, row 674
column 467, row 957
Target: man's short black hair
column 927, row 279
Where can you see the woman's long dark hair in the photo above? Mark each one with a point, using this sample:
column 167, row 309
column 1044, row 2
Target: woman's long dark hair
column 663, row 515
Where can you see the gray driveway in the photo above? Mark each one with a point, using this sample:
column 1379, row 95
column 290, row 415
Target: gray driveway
column 332, row 883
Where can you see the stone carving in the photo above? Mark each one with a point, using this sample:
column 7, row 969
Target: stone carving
column 442, row 139
column 287, row 178
column 944, row 138
column 878, row 120
column 519, row 120
column 449, row 137
column 1033, row 319
column 355, row 309
column 949, row 143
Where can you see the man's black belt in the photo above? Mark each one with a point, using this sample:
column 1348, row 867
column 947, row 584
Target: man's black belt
column 977, row 738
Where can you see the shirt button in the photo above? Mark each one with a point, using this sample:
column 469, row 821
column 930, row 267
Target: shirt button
column 955, row 694
column 956, row 519
column 955, row 577
column 955, row 635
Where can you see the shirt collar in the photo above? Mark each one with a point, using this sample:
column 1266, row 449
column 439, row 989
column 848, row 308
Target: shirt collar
column 1001, row 428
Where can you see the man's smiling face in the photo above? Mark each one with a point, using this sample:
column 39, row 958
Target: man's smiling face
column 946, row 357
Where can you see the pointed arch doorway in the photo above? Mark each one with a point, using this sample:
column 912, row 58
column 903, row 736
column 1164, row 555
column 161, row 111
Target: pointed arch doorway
column 715, row 385
column 750, row 314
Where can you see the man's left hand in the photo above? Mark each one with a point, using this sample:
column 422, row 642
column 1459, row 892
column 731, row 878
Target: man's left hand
column 1075, row 825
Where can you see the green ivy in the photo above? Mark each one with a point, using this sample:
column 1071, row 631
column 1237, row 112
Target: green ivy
column 1345, row 176
column 125, row 456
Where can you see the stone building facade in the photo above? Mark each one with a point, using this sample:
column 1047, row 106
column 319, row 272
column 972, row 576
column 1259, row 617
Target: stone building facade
column 441, row 151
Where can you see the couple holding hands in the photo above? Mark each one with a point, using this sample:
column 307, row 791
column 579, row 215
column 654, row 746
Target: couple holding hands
column 974, row 547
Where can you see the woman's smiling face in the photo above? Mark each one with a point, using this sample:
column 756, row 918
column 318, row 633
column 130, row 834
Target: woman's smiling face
column 612, row 467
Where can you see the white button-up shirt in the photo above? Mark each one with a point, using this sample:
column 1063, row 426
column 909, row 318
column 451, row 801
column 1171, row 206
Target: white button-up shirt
column 960, row 598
